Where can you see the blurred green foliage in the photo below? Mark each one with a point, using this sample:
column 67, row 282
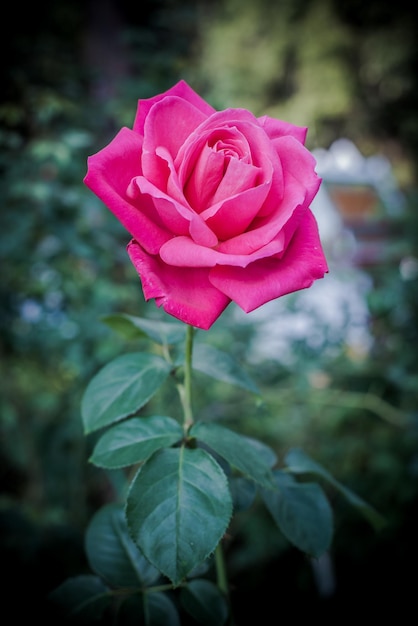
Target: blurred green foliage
column 72, row 74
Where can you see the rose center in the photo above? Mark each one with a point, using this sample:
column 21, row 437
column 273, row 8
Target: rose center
column 229, row 145
column 206, row 183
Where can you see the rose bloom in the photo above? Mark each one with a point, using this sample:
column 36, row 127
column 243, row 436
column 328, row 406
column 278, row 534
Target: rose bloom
column 217, row 204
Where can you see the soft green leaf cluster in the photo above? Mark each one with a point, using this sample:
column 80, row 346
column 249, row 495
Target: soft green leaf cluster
column 124, row 581
column 190, row 480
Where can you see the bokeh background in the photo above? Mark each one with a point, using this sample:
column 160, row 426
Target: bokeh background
column 337, row 364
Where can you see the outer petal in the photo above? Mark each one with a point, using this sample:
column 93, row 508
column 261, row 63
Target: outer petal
column 268, row 279
column 169, row 123
column 174, row 215
column 109, row 174
column 185, row 293
column 183, row 252
column 278, row 128
column 180, row 89
column 300, row 163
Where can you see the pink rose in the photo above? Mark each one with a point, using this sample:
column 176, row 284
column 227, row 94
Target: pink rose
column 216, row 202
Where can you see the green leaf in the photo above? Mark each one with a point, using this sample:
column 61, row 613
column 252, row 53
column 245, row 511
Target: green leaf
column 111, row 552
column 134, row 440
column 251, row 457
column 131, row 327
column 121, row 388
column 221, row 366
column 148, row 609
column 300, row 463
column 302, row 512
column 243, row 492
column 178, row 508
column 81, row 600
column 204, row 602
column 162, row 610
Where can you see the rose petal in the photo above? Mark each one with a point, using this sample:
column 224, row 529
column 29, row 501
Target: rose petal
column 201, row 233
column 168, row 124
column 266, row 228
column 276, row 191
column 179, row 219
column 180, row 89
column 249, row 162
column 278, row 128
column 183, row 252
column 197, row 227
column 237, row 121
column 202, row 160
column 234, row 215
column 185, row 293
column 202, row 184
column 299, row 162
column 238, row 177
column 174, row 189
column 268, row 279
column 109, row 173
column 171, row 213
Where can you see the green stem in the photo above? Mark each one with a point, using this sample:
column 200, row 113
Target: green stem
column 187, row 388
column 221, row 578
column 185, row 391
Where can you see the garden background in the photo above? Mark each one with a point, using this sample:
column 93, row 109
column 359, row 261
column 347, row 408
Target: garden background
column 337, row 364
